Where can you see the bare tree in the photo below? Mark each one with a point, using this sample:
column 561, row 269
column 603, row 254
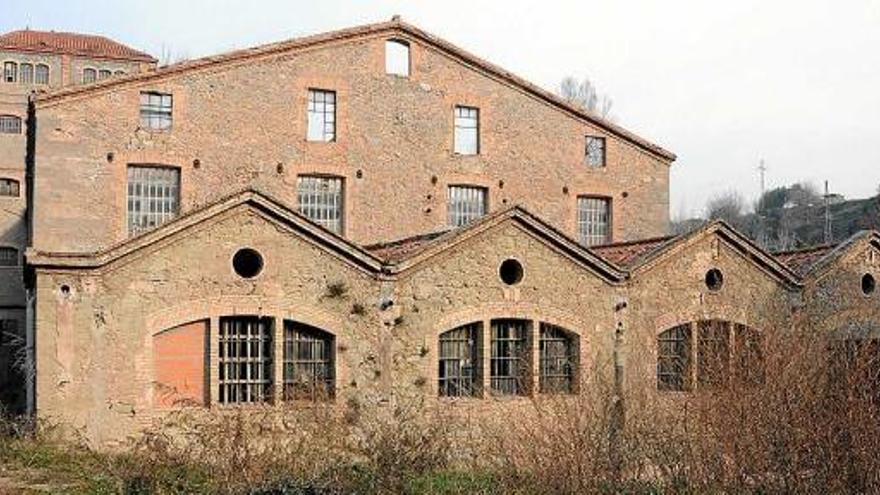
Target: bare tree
column 584, row 94
column 729, row 206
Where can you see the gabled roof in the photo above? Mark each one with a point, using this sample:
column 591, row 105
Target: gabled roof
column 404, row 254
column 394, row 27
column 738, row 241
column 83, row 45
column 265, row 204
column 814, row 261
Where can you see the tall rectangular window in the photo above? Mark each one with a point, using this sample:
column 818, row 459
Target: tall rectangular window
column 713, row 353
column 674, row 359
column 595, row 154
column 509, row 363
column 10, row 124
column 467, row 130
column 156, row 110
column 322, row 115
column 460, row 364
column 308, row 362
column 41, row 74
column 10, row 72
column 153, row 196
column 320, row 200
column 245, row 360
column 90, row 76
column 593, row 220
column 558, row 360
column 27, row 73
column 465, row 204
column 397, row 57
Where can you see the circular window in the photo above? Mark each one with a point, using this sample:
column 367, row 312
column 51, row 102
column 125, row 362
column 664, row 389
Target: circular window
column 511, row 271
column 714, row 279
column 868, row 284
column 247, row 263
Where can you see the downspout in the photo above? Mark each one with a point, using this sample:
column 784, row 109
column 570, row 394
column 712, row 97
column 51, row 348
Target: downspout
column 28, row 272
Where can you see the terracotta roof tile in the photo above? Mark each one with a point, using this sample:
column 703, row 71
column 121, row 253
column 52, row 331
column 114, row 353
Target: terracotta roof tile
column 397, row 250
column 802, row 260
column 85, row 45
column 626, row 254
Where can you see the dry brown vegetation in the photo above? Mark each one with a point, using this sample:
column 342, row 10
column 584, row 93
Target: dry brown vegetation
column 811, row 427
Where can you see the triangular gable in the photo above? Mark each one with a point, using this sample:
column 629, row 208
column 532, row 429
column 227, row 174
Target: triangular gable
column 745, row 246
column 436, row 244
column 271, row 208
column 821, row 264
column 394, row 27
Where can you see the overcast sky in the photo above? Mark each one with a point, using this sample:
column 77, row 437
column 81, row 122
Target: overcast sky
column 722, row 84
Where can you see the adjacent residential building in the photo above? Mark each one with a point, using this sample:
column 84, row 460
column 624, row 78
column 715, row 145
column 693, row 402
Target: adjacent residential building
column 37, row 61
column 372, row 215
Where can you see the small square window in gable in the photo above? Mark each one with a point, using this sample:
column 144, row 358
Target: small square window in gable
column 397, row 58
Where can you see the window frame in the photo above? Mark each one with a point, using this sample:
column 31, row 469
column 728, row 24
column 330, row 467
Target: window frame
column 510, row 357
column 321, row 347
column 679, row 361
column 6, row 72
column 90, row 70
column 152, row 112
column 37, row 79
column 603, row 161
column 454, row 379
column 550, row 362
column 459, row 216
column 21, row 73
column 14, row 186
column 309, row 208
column 456, row 147
column 15, row 128
column 312, row 104
column 15, row 255
column 587, row 238
column 264, row 361
column 398, row 43
column 133, row 227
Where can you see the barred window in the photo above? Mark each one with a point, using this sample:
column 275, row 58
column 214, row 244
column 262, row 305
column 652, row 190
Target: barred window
column 156, row 110
column 27, row 73
column 10, row 72
column 104, row 74
column 558, row 360
column 595, row 155
column 713, row 353
column 10, row 124
column 308, row 362
column 322, row 115
column 41, row 75
column 467, row 130
column 8, row 256
column 397, row 57
column 460, row 363
column 245, row 360
column 509, row 363
column 9, row 187
column 320, row 200
column 674, row 358
column 465, row 204
column 89, row 76
column 749, row 355
column 153, row 196
column 593, row 220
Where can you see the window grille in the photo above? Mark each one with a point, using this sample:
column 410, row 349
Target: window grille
column 8, row 256
column 320, row 200
column 27, row 73
column 156, row 110
column 10, row 124
column 41, row 75
column 558, row 360
column 595, row 154
column 509, row 363
column 153, row 196
column 308, row 362
column 674, row 358
column 749, row 357
column 713, row 353
column 245, row 360
column 322, row 115
column 9, row 187
column 460, row 363
column 10, row 72
column 467, row 130
column 594, row 220
column 89, row 76
column 104, row 74
column 397, row 58
column 465, row 204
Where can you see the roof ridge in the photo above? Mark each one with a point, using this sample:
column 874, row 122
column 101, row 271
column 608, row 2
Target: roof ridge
column 635, row 242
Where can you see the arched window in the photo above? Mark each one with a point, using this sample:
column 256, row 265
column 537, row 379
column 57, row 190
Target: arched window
column 89, row 76
column 9, row 187
column 723, row 351
column 8, row 256
column 41, row 76
column 27, row 73
column 397, row 57
column 558, row 360
column 119, row 73
column 460, row 363
column 104, row 74
column 308, row 362
column 10, row 72
column 510, row 364
column 10, row 124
